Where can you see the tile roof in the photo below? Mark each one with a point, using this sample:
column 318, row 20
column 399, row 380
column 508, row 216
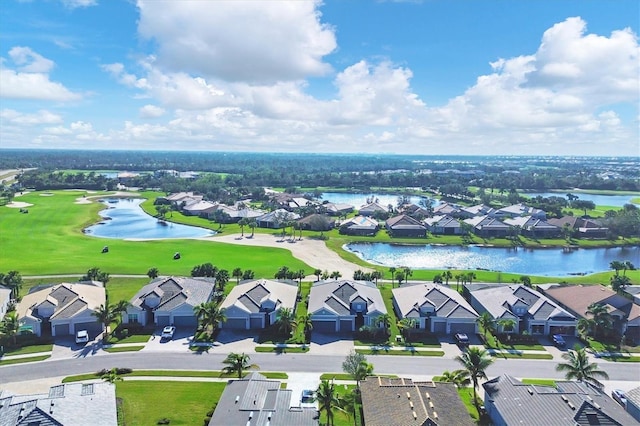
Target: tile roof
column 252, row 295
column 256, row 401
column 337, row 295
column 403, row 402
column 569, row 403
column 176, row 291
column 447, row 302
column 577, row 298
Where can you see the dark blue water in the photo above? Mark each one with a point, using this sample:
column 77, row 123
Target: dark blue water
column 599, row 200
column 358, row 200
column 541, row 262
column 126, row 219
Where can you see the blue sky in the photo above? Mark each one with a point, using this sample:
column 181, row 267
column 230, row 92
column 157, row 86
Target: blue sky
column 545, row 77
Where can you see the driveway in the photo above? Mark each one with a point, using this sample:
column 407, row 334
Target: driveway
column 180, row 342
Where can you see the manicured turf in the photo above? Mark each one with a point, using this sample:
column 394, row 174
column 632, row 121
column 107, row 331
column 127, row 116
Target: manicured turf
column 134, row 338
column 399, row 352
column 29, row 349
column 466, row 395
column 523, row 356
column 43, row 242
column 280, row 350
column 183, row 403
column 23, row 360
column 116, row 349
column 176, row 373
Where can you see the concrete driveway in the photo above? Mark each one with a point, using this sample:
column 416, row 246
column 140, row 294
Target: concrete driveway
column 180, row 342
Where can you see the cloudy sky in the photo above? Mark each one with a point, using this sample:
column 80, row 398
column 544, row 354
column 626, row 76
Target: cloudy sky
column 544, row 77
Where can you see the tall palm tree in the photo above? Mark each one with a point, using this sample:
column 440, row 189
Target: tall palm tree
column 447, row 275
column 586, row 326
column 252, row 225
column 328, row 400
column 306, row 323
column 363, row 370
column 579, row 368
column 349, row 403
column 237, row 363
column 106, row 314
column 13, row 280
column 506, row 324
column 121, row 307
column 242, row 223
column 209, row 315
column 392, row 271
column 601, row 317
column 384, row 320
column 475, row 361
column 237, row 274
column 406, row 326
column 10, row 326
column 487, row 323
column 627, row 265
column 286, row 320
column 617, row 266
column 460, row 378
column 222, row 278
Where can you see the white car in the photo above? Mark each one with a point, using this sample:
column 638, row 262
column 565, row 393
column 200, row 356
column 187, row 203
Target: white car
column 82, row 337
column 167, row 332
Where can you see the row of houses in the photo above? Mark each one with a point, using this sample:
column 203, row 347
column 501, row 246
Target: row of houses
column 336, row 306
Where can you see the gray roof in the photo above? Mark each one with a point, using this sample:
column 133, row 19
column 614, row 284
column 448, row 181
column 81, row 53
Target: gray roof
column 569, row 403
column 633, row 396
column 447, row 302
column 336, row 296
column 176, row 291
column 486, row 223
column 67, row 300
column 404, row 222
column 256, row 401
column 402, row 402
column 499, row 299
column 250, row 296
column 61, row 406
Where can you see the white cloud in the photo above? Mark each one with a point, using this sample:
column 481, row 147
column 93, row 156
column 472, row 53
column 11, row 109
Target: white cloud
column 30, row 80
column 252, row 41
column 151, row 111
column 73, row 4
column 23, row 119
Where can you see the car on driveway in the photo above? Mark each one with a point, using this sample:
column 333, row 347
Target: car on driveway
column 618, row 396
column 558, row 340
column 462, row 339
column 82, row 337
column 167, row 333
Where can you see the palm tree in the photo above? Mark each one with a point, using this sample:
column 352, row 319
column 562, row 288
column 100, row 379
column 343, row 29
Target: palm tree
column 209, row 315
column 470, row 277
column 349, row 403
column 252, row 225
column 306, row 323
column 619, row 282
column 335, row 275
column 242, row 223
column 317, row 273
column 13, row 280
column 384, row 320
column 121, row 307
column 579, row 368
column 586, row 326
column 506, row 324
column 222, row 278
column 153, row 273
column 407, row 273
column 106, row 314
column 460, row 378
column 475, row 361
column 286, row 320
column 392, row 271
column 406, row 326
column 376, row 275
column 617, row 266
column 237, row 274
column 111, row 376
column 10, row 326
column 601, row 317
column 487, row 323
column 363, row 370
column 627, row 265
column 328, row 400
column 447, row 275
column 237, row 363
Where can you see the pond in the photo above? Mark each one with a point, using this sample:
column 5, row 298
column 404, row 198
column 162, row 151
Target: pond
column 125, row 219
column 540, row 262
column 599, row 200
column 358, row 200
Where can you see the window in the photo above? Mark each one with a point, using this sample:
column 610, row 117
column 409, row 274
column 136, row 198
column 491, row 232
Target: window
column 132, row 318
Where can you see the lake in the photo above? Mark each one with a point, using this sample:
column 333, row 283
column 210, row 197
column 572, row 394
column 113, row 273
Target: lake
column 599, row 200
column 126, row 219
column 541, row 262
column 358, row 200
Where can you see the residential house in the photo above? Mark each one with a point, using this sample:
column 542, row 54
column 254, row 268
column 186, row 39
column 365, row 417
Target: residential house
column 316, row 222
column 169, row 300
column 359, row 225
column 511, row 402
column 415, row 211
column 69, row 404
column 372, row 209
column 534, row 227
column 435, row 308
column 403, row 402
column 62, row 309
column 633, row 291
column 291, row 202
column 584, row 228
column 5, row 300
column 180, row 199
column 405, row 226
column 448, row 209
column 633, row 403
column 443, row 225
column 233, row 214
column 531, row 310
column 276, row 219
column 338, row 209
column 344, row 305
column 199, row 208
column 577, row 298
column 519, row 209
column 477, row 210
column 256, row 401
column 255, row 304
column 487, row 226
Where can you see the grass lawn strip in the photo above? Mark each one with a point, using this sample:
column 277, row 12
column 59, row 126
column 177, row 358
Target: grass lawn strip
column 23, row 360
column 521, row 356
column 116, row 349
column 621, row 358
column 283, row 349
column 33, row 349
column 175, row 373
column 398, row 352
column 182, row 403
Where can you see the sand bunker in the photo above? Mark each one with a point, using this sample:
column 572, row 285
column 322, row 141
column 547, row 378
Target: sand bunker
column 18, row 205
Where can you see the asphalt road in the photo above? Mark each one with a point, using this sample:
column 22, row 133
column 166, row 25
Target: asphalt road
column 383, row 364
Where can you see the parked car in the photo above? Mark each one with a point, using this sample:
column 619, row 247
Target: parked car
column 618, row 396
column 167, row 333
column 462, row 339
column 558, row 340
column 82, row 337
column 307, row 397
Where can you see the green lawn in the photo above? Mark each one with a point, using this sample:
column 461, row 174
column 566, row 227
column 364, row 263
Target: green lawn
column 124, row 349
column 399, row 352
column 28, row 349
column 51, row 234
column 281, row 350
column 523, row 356
column 134, row 338
column 466, row 395
column 183, row 403
column 23, row 360
column 177, row 373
